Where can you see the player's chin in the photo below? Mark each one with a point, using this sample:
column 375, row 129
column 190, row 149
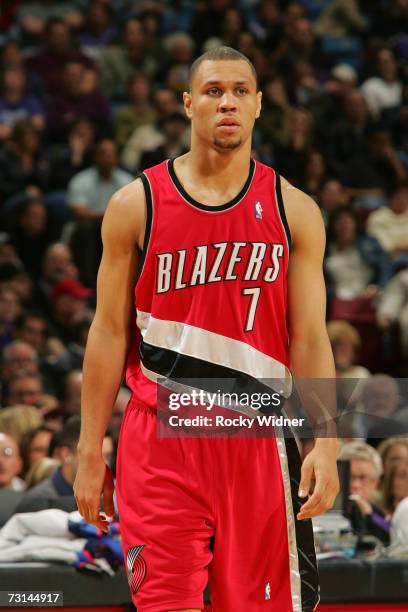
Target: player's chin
column 228, row 142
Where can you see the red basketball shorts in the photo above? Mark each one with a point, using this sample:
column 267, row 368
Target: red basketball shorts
column 217, row 510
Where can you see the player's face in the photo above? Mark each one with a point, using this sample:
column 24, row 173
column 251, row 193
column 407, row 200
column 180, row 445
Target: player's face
column 223, row 103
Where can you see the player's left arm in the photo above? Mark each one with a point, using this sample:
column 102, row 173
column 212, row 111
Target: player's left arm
column 310, row 350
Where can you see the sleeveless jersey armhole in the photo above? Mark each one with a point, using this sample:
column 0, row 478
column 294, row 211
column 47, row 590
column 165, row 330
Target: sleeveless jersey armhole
column 281, row 209
column 149, row 220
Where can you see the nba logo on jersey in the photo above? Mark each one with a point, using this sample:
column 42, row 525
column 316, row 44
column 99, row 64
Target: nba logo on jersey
column 267, row 591
column 258, row 210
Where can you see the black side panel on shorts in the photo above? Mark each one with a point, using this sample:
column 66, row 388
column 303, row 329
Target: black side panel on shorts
column 309, row 576
column 282, row 209
column 210, row 377
column 149, row 217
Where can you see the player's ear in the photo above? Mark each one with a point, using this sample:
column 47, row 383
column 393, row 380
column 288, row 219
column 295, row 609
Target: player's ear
column 187, row 104
column 259, row 104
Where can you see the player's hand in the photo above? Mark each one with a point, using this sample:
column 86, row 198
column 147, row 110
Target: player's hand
column 320, row 464
column 94, row 478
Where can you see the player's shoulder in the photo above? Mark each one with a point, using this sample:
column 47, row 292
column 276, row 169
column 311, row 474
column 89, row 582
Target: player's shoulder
column 300, row 208
column 129, row 199
column 303, row 215
column 125, row 213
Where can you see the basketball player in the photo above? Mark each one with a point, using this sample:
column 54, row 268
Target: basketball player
column 230, row 285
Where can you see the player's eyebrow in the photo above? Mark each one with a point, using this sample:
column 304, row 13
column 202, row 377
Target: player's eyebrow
column 218, row 82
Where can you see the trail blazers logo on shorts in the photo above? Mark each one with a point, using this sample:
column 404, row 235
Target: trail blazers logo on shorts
column 136, row 567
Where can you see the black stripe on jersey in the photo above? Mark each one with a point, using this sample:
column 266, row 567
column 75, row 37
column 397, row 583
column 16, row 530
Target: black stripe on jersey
column 205, row 207
column 209, row 376
column 282, row 209
column 149, row 217
column 308, row 571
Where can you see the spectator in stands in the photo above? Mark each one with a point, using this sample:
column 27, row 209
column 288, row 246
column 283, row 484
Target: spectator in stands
column 32, row 328
column 118, row 63
column 395, row 487
column 16, row 421
column 232, row 25
column 379, row 409
column 276, row 112
column 19, row 356
column 14, row 278
column 151, row 19
column 10, row 308
column 148, row 137
column 90, row 190
column 72, row 355
column 393, row 308
column 305, row 88
column 332, row 196
column 384, row 90
column 99, row 30
column 88, row 195
column 72, row 392
column 11, row 55
column 354, row 262
column 390, row 224
column 341, row 18
column 248, row 45
column 56, row 490
column 399, row 522
column 376, row 172
column 266, row 24
column 346, row 136
column 35, row 445
column 395, row 119
column 32, row 17
column 59, row 49
column 69, row 304
column 291, row 154
column 392, row 450
column 365, row 473
column 40, row 470
column 176, row 69
column 173, row 128
column 16, row 104
column 314, row 173
column 346, row 344
column 138, row 112
column 8, row 253
column 298, row 41
column 328, row 102
column 208, row 19
column 30, row 233
column 10, row 464
column 57, row 265
column 25, row 389
column 71, row 103
column 22, row 166
column 74, row 155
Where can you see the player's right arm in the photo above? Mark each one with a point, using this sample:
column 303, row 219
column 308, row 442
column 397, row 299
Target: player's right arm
column 107, row 346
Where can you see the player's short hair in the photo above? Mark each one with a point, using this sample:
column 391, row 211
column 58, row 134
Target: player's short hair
column 220, row 54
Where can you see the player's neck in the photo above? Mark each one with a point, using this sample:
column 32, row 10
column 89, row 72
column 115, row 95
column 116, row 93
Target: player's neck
column 223, row 168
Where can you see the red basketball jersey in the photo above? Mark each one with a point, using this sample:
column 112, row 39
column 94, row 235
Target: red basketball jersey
column 211, row 299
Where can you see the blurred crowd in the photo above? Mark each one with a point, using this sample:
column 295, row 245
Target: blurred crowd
column 90, row 95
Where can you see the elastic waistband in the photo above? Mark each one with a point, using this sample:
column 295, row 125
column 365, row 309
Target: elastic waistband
column 136, row 404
